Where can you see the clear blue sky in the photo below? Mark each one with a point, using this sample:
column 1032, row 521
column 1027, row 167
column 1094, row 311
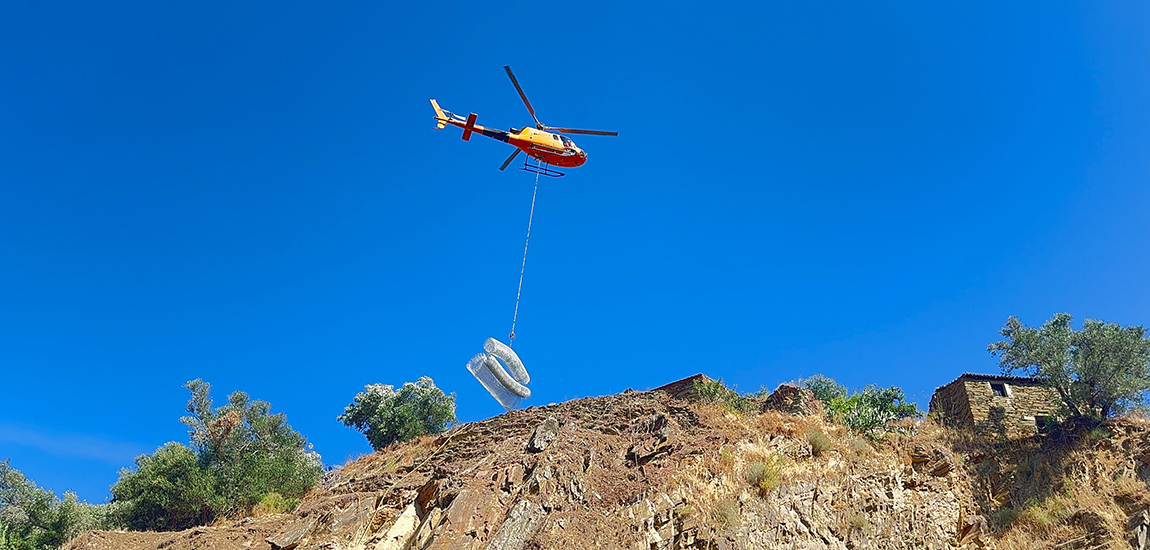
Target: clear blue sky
column 255, row 195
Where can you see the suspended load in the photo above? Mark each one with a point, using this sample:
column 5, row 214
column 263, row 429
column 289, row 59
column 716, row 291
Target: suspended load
column 491, row 369
column 499, row 368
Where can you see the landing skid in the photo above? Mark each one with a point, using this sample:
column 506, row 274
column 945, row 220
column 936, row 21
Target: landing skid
column 541, row 168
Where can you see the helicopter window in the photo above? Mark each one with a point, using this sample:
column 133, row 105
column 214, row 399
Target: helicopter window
column 567, row 142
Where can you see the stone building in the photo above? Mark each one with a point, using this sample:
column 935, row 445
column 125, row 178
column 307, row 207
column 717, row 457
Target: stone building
column 993, row 405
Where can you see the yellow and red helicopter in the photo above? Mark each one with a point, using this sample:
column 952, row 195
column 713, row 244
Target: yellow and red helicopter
column 543, row 143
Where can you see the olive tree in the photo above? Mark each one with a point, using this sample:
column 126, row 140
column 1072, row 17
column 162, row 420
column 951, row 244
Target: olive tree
column 33, row 517
column 1099, row 371
column 249, row 451
column 386, row 415
column 167, row 490
column 239, row 455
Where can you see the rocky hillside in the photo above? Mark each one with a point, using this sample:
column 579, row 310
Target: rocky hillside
column 649, row 470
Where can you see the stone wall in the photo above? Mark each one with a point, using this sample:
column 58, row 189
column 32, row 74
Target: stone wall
column 970, row 402
column 1013, row 415
column 950, row 406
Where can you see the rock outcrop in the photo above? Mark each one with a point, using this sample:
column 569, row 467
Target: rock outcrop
column 645, row 470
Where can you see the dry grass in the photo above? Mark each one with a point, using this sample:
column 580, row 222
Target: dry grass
column 1035, row 493
column 274, row 503
column 1051, row 490
column 858, row 522
column 818, row 442
column 765, row 475
column 726, row 513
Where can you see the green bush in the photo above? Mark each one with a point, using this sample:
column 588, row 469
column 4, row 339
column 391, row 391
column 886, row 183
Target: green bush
column 35, row 518
column 168, row 490
column 386, row 415
column 765, row 475
column 726, row 513
column 824, row 388
column 240, row 453
column 858, row 522
column 275, row 503
column 871, row 409
column 868, row 411
column 818, row 442
column 248, row 451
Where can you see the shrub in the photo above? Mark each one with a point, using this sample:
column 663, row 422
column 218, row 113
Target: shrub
column 726, row 512
column 386, row 415
column 860, row 447
column 715, row 392
column 240, row 453
column 870, row 410
column 168, row 490
column 274, row 503
column 765, row 475
column 858, row 522
column 32, row 517
column 248, row 451
column 1002, row 517
column 824, row 388
column 867, row 411
column 818, row 442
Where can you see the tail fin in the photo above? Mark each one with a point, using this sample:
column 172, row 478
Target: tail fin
column 440, row 116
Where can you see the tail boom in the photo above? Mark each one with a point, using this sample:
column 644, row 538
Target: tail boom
column 444, row 117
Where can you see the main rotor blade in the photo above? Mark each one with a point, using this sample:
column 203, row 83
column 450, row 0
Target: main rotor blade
column 522, row 95
column 578, row 131
column 509, row 159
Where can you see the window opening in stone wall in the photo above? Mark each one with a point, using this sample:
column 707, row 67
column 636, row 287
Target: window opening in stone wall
column 998, row 390
column 1043, row 424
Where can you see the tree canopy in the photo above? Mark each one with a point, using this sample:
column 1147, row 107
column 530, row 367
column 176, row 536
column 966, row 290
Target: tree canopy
column 239, row 455
column 1099, row 371
column 386, row 415
column 32, row 517
column 248, row 450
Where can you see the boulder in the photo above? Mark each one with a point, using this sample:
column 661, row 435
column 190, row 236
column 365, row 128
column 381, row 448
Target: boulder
column 543, row 435
column 525, row 518
column 401, row 532
column 291, row 536
column 792, row 399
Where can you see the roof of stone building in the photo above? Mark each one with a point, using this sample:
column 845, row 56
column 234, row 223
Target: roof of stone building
column 684, row 388
column 1000, row 378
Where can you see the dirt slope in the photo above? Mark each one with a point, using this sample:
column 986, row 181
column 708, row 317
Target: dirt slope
column 645, row 470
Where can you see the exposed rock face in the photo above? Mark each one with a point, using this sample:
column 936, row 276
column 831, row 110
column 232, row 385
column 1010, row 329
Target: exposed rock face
column 793, row 399
column 543, row 435
column 524, row 519
column 935, row 460
column 643, row 470
column 401, row 532
column 1139, row 525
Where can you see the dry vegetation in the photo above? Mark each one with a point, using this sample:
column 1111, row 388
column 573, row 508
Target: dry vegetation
column 732, row 471
column 1079, row 485
column 1035, row 493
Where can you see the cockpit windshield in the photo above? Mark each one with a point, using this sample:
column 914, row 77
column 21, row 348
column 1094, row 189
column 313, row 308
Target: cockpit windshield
column 568, row 143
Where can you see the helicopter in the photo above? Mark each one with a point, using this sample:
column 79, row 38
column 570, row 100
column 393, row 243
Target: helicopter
column 545, row 144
